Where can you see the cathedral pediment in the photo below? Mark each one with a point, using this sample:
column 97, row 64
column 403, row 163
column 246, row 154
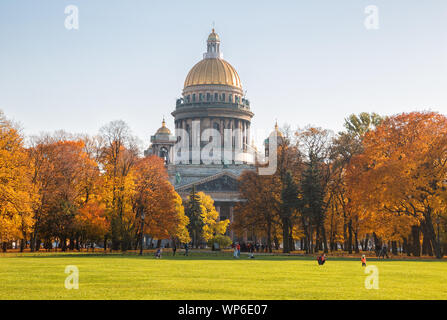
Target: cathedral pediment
column 221, row 182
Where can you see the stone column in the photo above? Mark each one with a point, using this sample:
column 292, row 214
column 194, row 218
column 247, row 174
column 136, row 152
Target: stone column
column 218, row 210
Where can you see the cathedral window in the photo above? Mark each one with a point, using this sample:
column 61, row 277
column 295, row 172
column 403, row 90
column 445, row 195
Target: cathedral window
column 193, row 97
column 216, row 96
column 208, row 96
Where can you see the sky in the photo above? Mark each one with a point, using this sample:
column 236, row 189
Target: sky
column 301, row 62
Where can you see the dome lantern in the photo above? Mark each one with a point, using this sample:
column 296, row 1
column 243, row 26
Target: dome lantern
column 213, row 46
column 163, row 129
column 213, row 69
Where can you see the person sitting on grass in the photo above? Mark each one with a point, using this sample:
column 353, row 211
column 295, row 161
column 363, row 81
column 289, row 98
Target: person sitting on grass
column 363, row 261
column 321, row 259
column 158, row 253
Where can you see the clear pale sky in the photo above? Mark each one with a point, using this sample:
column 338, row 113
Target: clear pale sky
column 302, row 62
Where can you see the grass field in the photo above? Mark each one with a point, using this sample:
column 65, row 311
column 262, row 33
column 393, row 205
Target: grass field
column 211, row 276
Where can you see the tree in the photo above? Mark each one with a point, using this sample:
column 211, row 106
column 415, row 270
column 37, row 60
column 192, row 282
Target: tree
column 61, row 172
column 210, row 218
column 118, row 156
column 203, row 217
column 315, row 145
column 156, row 198
column 289, row 203
column 16, row 193
column 194, row 213
column 363, row 123
column 260, row 210
column 402, row 171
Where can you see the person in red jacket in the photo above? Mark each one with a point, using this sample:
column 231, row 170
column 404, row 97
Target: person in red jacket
column 363, row 261
column 321, row 259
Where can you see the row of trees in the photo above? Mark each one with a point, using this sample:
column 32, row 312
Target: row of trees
column 381, row 181
column 82, row 190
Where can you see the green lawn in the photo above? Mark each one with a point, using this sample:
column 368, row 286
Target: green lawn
column 210, row 276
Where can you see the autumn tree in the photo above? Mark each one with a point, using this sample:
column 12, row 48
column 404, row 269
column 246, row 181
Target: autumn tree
column 260, row 210
column 402, row 171
column 119, row 154
column 203, row 217
column 156, row 198
column 61, row 172
column 16, row 193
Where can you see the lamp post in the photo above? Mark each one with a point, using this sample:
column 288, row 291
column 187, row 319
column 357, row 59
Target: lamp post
column 143, row 216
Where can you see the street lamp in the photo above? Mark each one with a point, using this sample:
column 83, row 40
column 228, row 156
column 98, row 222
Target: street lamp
column 143, row 216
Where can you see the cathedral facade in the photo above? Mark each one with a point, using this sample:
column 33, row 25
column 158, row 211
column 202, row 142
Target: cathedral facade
column 211, row 145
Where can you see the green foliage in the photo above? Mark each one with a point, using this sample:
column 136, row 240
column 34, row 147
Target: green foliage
column 193, row 211
column 222, row 240
column 359, row 125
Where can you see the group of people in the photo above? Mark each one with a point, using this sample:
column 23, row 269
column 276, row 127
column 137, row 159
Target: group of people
column 236, row 250
column 174, row 250
column 253, row 247
column 322, row 259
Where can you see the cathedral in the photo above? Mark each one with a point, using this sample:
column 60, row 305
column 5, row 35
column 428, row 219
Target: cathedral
column 213, row 110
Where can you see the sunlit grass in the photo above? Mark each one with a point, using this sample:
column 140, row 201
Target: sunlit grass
column 211, row 276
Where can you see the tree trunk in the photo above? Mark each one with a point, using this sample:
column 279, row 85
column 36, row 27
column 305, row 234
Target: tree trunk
column 356, row 244
column 416, row 245
column 269, row 236
column 291, row 240
column 276, row 241
column 324, row 239
column 350, row 236
column 394, row 248
column 22, row 244
column 285, row 235
column 429, row 232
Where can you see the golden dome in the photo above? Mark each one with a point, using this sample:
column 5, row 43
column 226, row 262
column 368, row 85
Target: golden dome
column 163, row 129
column 278, row 132
column 213, row 36
column 213, row 71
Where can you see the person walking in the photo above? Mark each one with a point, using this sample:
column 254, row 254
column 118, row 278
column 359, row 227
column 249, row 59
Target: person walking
column 238, row 247
column 174, row 248
column 186, row 249
column 363, row 261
